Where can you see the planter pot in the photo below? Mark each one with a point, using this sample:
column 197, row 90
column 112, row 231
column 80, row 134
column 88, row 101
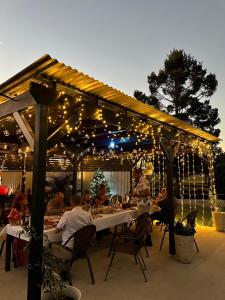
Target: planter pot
column 219, row 220
column 184, row 248
column 68, row 291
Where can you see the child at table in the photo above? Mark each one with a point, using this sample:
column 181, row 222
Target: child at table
column 16, row 215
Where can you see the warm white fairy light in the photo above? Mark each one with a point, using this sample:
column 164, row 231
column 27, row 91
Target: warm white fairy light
column 189, row 181
column 179, row 174
column 193, row 174
column 202, row 186
column 212, row 191
column 159, row 169
column 163, row 169
column 182, row 195
column 153, row 176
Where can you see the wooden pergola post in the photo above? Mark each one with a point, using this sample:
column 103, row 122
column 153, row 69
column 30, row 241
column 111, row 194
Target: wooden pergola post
column 170, row 152
column 37, row 205
column 43, row 96
column 75, row 169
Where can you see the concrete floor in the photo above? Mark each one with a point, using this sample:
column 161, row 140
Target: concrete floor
column 167, row 278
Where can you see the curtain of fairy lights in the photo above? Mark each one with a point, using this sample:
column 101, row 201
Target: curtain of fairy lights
column 153, row 176
column 193, row 175
column 212, row 188
column 183, row 176
column 189, row 181
column 163, row 170
column 159, row 170
column 179, row 181
column 202, row 188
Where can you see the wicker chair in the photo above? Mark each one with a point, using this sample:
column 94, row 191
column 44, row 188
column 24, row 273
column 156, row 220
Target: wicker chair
column 81, row 239
column 131, row 242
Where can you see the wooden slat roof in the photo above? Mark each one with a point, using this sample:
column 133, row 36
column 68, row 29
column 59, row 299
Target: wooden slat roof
column 49, row 67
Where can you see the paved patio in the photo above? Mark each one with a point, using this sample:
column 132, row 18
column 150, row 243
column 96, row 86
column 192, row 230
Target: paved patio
column 167, row 278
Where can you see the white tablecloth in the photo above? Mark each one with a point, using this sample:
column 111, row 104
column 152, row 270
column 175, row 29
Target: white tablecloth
column 103, row 222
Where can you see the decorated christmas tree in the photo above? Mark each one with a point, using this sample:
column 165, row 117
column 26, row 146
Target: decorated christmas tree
column 97, row 180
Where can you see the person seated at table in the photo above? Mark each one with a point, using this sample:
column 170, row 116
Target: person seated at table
column 102, row 198
column 70, row 222
column 85, row 199
column 161, row 196
column 55, row 206
column 141, row 195
column 162, row 201
column 16, row 216
column 19, row 209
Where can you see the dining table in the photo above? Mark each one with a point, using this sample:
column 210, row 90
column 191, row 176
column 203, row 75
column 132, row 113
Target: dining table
column 101, row 221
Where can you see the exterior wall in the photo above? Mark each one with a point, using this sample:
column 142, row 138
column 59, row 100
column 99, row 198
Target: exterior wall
column 119, row 181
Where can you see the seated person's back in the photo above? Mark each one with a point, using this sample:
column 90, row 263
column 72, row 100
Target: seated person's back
column 72, row 221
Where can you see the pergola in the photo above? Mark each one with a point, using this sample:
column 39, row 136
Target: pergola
column 50, row 109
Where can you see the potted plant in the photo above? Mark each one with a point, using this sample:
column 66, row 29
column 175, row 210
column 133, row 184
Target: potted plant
column 184, row 241
column 54, row 288
column 218, row 214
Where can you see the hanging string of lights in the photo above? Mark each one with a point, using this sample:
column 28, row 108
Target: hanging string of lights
column 163, row 170
column 179, row 179
column 202, row 188
column 193, row 175
column 182, row 195
column 189, row 181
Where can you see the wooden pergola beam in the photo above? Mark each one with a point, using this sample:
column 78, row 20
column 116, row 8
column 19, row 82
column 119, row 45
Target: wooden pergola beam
column 25, row 128
column 21, row 102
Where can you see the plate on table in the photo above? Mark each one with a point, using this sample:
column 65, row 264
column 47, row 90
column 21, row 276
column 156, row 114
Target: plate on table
column 97, row 216
column 133, row 208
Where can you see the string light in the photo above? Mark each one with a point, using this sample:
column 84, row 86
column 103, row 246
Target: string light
column 203, row 195
column 193, row 174
column 189, row 182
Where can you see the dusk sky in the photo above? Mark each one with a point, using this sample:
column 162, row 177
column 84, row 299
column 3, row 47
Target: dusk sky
column 117, row 42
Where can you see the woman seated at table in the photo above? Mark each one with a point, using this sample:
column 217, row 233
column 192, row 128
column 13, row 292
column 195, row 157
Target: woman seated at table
column 86, row 199
column 102, row 199
column 17, row 216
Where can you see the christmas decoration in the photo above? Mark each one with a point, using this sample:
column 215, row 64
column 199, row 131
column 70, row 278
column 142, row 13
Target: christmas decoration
column 97, row 180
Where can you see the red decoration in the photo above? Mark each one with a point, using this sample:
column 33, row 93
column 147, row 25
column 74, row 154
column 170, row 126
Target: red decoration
column 4, row 190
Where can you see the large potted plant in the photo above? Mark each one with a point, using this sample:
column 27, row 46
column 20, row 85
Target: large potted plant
column 184, row 241
column 218, row 215
column 53, row 286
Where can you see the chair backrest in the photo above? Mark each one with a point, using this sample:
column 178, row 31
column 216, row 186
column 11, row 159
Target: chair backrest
column 81, row 241
column 141, row 225
column 116, row 198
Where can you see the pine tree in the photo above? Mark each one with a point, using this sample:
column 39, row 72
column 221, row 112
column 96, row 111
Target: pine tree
column 97, row 180
column 183, row 89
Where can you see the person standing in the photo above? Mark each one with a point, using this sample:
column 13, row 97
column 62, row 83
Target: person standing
column 141, row 194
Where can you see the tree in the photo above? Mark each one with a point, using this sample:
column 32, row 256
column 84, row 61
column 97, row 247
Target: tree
column 183, row 89
column 97, row 180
